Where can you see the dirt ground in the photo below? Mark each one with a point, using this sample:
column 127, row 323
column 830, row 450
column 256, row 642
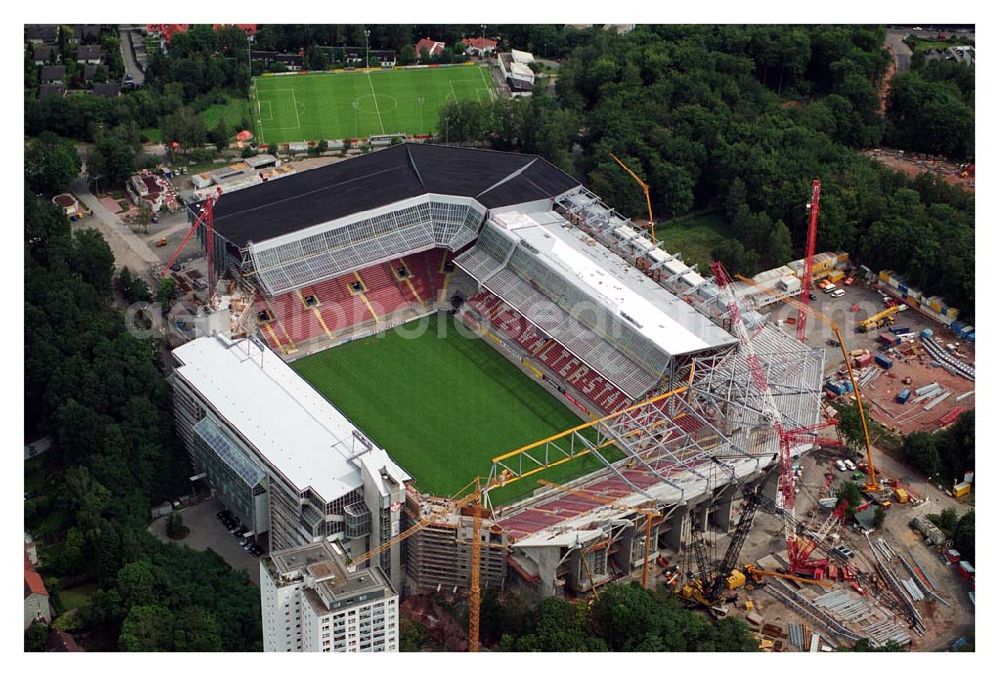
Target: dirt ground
column 916, row 164
column 906, row 418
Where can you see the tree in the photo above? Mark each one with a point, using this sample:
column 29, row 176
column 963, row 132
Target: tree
column 184, row 127
column 219, row 135
column 145, row 216
column 93, row 259
column 407, row 56
column 879, row 518
column 779, row 246
column 920, row 451
column 175, row 526
column 849, row 424
column 36, row 636
column 196, row 629
column 147, row 628
column 112, row 161
column 965, row 536
column 50, row 164
column 167, row 292
column 850, row 493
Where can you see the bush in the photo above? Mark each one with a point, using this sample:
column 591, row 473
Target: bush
column 175, row 527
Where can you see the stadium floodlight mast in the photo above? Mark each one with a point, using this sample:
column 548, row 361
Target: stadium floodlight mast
column 420, row 107
column 367, row 33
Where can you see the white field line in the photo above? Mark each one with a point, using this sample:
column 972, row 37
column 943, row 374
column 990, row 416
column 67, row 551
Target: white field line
column 375, row 98
column 489, row 85
column 295, row 105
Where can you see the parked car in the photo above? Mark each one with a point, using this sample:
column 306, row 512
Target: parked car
column 837, row 293
column 812, row 297
column 850, row 464
column 840, row 466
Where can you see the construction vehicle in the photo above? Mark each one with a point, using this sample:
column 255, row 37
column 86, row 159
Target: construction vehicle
column 757, row 574
column 705, row 588
column 880, row 319
column 162, row 242
column 645, row 190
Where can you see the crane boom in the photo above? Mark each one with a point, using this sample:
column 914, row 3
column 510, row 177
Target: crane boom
column 645, row 190
column 872, row 478
column 800, row 325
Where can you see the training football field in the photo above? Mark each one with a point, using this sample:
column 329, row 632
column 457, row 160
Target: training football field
column 442, row 406
column 358, row 104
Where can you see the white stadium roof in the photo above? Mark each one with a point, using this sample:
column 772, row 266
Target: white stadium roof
column 668, row 321
column 298, row 432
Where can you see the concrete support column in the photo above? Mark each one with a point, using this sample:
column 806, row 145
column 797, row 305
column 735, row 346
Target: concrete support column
column 680, row 524
column 722, row 515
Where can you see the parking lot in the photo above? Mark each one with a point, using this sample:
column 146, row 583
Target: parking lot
column 208, row 532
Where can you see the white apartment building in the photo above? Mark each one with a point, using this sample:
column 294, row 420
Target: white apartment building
column 311, row 601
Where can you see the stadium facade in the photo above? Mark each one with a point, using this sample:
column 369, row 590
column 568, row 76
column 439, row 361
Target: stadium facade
column 627, row 336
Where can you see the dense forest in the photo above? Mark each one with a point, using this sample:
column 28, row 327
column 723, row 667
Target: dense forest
column 742, row 118
column 100, row 394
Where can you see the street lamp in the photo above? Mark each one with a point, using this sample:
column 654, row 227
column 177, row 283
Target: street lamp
column 482, row 41
column 420, row 107
column 367, row 33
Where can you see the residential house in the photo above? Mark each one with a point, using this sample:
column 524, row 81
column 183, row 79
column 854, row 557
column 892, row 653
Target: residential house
column 61, row 641
column 52, row 74
column 292, row 62
column 36, row 597
column 38, row 34
column 108, row 90
column 166, row 32
column 45, row 55
column 55, row 89
column 386, row 57
column 482, row 46
column 432, row 47
column 146, row 187
column 68, row 204
column 89, row 54
column 89, row 71
column 87, row 34
column 30, row 551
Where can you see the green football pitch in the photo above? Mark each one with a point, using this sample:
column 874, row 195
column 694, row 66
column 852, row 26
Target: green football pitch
column 442, row 405
column 359, row 104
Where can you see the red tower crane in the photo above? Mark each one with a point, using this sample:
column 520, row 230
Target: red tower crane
column 813, row 207
column 204, row 217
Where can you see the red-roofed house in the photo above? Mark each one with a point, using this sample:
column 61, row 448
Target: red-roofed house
column 479, row 46
column 249, row 29
column 166, row 31
column 432, row 47
column 61, row 641
column 36, row 597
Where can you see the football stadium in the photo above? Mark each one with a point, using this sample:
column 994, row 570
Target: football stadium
column 363, row 103
column 404, row 322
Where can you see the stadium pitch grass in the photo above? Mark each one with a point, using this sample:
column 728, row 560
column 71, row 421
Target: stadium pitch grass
column 442, row 406
column 358, row 104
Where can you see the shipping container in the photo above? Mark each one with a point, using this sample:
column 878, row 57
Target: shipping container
column 883, row 275
column 901, row 495
column 966, row 570
column 842, row 257
column 951, row 313
column 899, row 330
column 863, row 361
column 927, row 333
column 883, row 361
column 903, row 289
column 835, row 276
column 889, row 339
column 956, row 327
column 968, row 329
column 953, row 556
column 903, row 396
column 962, row 489
column 835, row 388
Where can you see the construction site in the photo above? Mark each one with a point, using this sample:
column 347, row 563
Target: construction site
column 718, row 472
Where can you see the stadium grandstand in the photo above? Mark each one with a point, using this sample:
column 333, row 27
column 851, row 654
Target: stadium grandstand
column 632, row 340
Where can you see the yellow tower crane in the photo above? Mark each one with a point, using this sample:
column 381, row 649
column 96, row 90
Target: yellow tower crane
column 872, row 484
column 645, row 190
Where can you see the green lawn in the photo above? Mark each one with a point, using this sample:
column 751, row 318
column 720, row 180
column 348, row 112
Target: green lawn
column 442, row 407
column 77, row 597
column 694, row 237
column 230, row 112
column 358, row 104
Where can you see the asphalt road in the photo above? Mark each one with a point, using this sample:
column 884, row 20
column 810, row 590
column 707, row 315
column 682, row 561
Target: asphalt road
column 128, row 248
column 128, row 56
column 900, row 50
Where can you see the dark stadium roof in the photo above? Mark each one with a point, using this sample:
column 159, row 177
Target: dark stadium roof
column 285, row 205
